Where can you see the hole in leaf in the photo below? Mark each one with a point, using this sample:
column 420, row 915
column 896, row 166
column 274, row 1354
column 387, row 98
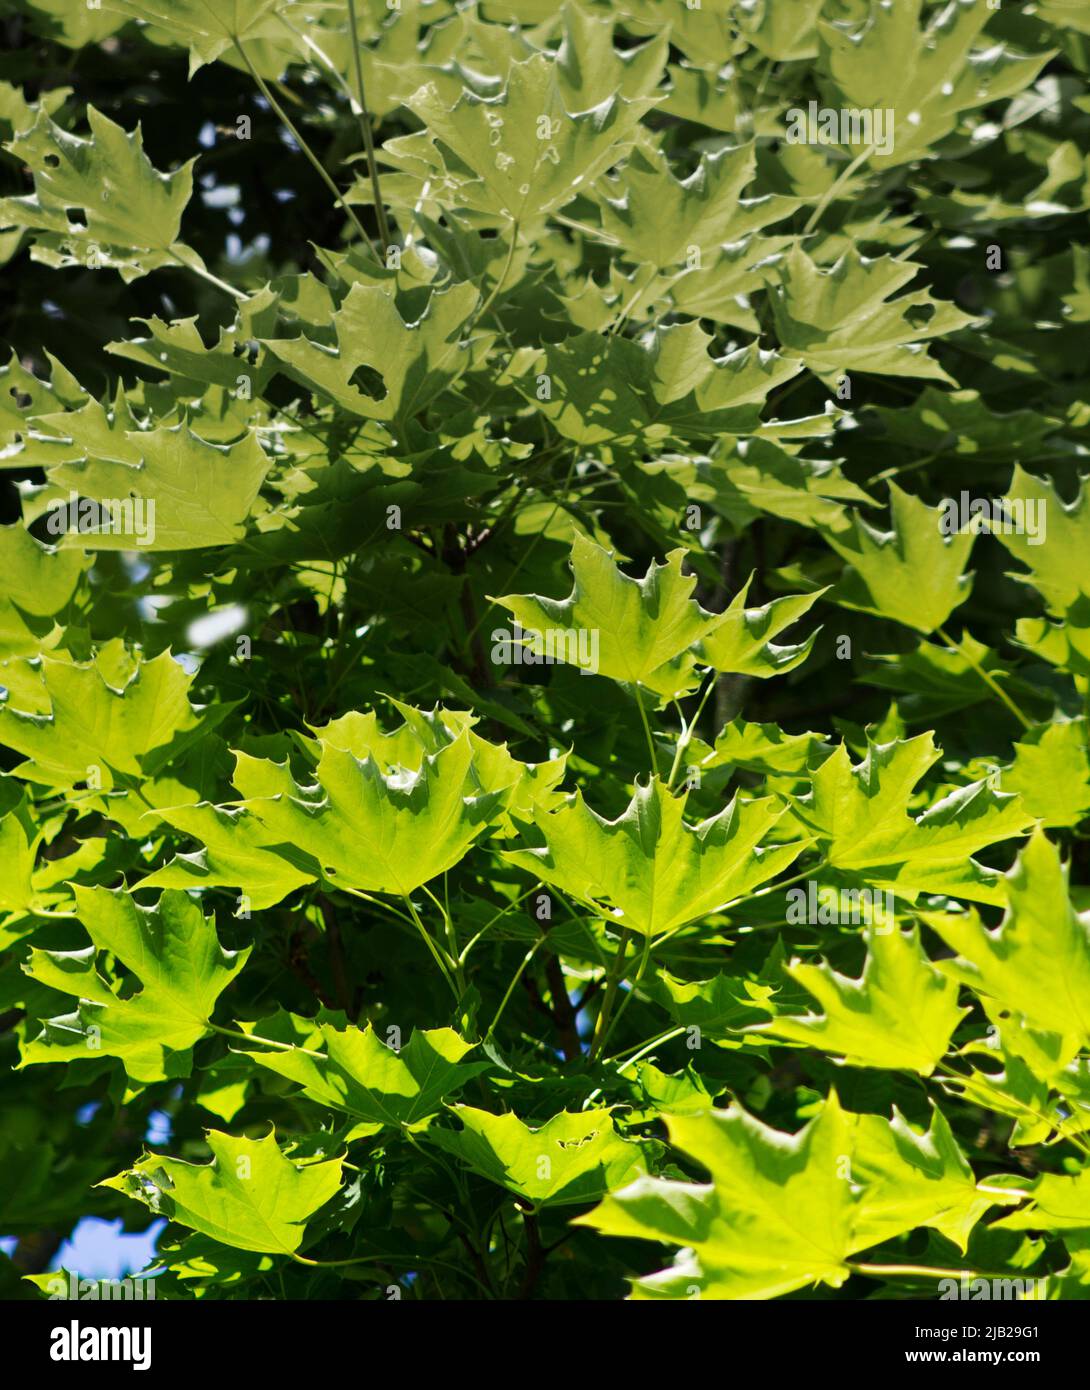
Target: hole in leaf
column 368, row 382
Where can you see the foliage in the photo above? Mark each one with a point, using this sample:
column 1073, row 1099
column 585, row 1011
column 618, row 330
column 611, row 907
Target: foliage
column 545, row 645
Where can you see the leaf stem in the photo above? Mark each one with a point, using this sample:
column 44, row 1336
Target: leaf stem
column 365, row 126
column 464, row 954
column 317, row 164
column 527, row 958
column 388, row 1258
column 266, row 1042
column 438, row 954
column 452, row 940
column 687, row 728
column 198, row 268
column 612, row 984
column 918, row 1272
column 645, row 956
column 491, row 299
column 992, row 685
column 827, row 196
column 647, row 732
column 642, row 1049
column 900, row 468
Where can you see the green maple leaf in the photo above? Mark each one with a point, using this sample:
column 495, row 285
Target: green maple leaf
column 35, row 578
column 421, row 734
column 131, row 213
column 250, row 1196
column 650, row 869
column 721, row 1005
column 776, row 1216
column 571, row 1158
column 521, row 153
column 75, row 26
column 646, row 628
column 741, row 641
column 723, row 286
column 36, row 582
column 843, row 320
column 1058, row 558
column 960, row 423
column 760, row 476
column 416, row 360
column 928, row 77
column 1056, row 551
column 1058, row 1203
column 1051, row 772
column 783, row 34
column 913, row 574
column 614, row 390
column 178, row 348
column 861, row 814
column 658, row 219
column 589, row 70
column 174, row 952
column 19, row 840
column 943, row 678
column 783, row 1212
column 202, row 493
column 367, row 830
column 704, row 35
column 233, row 855
column 208, row 31
column 650, row 631
column 1036, row 1079
column 1065, row 14
column 363, row 1077
column 899, row 1014
column 122, row 718
column 90, row 429
column 763, row 748
column 684, row 1093
column 424, row 733
column 913, row 1178
column 1037, row 962
column 27, row 887
column 23, row 396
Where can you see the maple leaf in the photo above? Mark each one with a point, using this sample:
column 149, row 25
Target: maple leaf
column 132, row 213
column 927, row 77
column 571, row 1158
column 843, row 319
column 174, row 952
column 1038, row 961
column 250, row 1196
column 899, row 1013
column 914, row 574
column 654, row 870
column 860, row 813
